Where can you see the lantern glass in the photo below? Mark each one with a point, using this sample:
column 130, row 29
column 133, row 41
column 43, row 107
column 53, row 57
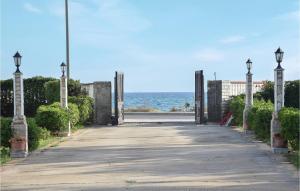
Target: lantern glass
column 17, row 59
column 249, row 64
column 63, row 68
column 279, row 55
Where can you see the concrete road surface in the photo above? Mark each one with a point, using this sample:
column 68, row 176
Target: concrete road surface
column 153, row 156
column 149, row 117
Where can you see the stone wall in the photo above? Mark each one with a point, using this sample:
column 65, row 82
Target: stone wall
column 220, row 91
column 102, row 107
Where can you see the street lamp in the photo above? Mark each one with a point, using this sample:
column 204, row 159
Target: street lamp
column 279, row 56
column 249, row 65
column 17, row 59
column 63, row 68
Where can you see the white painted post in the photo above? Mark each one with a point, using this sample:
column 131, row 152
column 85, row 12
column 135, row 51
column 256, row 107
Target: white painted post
column 64, row 96
column 19, row 141
column 249, row 97
column 278, row 144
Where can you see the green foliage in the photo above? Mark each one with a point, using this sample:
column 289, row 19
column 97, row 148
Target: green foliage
column 34, row 95
column 52, row 91
column 5, row 154
column 289, row 120
column 260, row 117
column 85, row 106
column 236, row 106
column 74, row 88
column 6, row 132
column 52, row 117
column 35, row 134
column 291, row 96
column 267, row 92
column 73, row 114
column 7, row 99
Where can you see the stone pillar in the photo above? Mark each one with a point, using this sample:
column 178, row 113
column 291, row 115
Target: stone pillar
column 19, row 141
column 103, row 103
column 248, row 100
column 278, row 144
column 64, row 96
column 199, row 97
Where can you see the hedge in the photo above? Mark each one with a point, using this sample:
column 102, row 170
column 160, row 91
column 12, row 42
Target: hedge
column 259, row 119
column 55, row 118
column 35, row 133
column 289, row 120
column 236, row 106
column 52, row 91
column 85, row 106
column 52, row 117
column 34, row 94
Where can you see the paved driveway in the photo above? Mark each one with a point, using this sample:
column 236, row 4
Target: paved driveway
column 153, row 157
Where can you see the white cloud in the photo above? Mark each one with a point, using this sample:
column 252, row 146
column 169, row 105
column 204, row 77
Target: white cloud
column 232, row 39
column 209, row 55
column 293, row 15
column 31, row 8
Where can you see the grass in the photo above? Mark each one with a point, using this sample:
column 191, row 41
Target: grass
column 294, row 158
column 4, row 155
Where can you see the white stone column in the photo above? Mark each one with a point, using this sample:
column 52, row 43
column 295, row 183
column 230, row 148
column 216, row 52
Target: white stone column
column 248, row 100
column 278, row 144
column 64, row 96
column 19, row 141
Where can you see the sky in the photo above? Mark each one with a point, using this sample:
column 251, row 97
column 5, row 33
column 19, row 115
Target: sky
column 158, row 44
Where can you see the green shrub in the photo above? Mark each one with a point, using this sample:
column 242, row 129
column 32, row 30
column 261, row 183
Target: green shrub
column 73, row 114
column 289, row 120
column 5, row 154
column 291, row 95
column 260, row 117
column 6, row 131
column 35, row 134
column 236, row 106
column 85, row 106
column 52, row 117
column 52, row 91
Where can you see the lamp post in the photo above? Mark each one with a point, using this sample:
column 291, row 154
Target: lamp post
column 64, row 91
column 19, row 140
column 278, row 143
column 249, row 95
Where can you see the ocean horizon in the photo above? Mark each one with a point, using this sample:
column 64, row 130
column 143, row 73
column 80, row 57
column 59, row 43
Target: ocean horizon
column 160, row 101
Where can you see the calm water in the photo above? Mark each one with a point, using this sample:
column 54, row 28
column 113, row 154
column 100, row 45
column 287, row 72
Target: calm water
column 163, row 101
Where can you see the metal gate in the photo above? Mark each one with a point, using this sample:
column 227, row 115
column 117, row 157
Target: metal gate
column 199, row 97
column 119, row 98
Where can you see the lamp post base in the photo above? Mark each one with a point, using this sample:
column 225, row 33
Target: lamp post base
column 18, row 154
column 280, row 150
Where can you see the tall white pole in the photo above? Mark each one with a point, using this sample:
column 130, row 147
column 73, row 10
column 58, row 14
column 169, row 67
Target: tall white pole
column 67, row 39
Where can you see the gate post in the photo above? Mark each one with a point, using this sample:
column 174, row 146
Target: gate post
column 19, row 140
column 278, row 143
column 249, row 96
column 199, row 97
column 119, row 98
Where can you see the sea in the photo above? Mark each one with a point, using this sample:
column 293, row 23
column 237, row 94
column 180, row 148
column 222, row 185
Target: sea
column 161, row 101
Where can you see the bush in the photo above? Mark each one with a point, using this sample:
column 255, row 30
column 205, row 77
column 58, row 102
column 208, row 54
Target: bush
column 52, row 91
column 35, row 134
column 236, row 106
column 85, row 106
column 34, row 95
column 260, row 117
column 73, row 114
column 291, row 95
column 6, row 131
column 289, row 120
column 52, row 117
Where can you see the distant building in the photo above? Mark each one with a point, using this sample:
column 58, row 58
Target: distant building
column 220, row 91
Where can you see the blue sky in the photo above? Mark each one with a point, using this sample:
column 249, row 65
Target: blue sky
column 158, row 44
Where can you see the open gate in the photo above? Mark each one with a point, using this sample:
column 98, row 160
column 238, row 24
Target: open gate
column 119, row 98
